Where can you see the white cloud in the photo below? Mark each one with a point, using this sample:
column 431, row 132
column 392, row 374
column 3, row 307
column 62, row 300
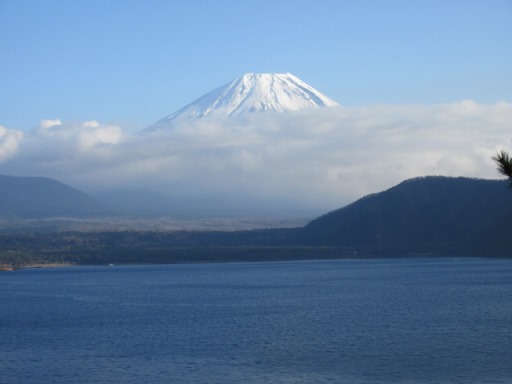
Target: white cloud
column 95, row 135
column 323, row 158
column 46, row 124
column 9, row 142
column 83, row 136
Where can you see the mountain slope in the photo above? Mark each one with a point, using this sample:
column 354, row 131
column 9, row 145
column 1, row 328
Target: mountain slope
column 41, row 197
column 250, row 93
column 438, row 215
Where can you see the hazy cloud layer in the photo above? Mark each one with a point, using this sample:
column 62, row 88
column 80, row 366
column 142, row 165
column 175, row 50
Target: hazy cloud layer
column 324, row 158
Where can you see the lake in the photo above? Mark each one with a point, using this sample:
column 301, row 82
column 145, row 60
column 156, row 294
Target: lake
column 348, row 321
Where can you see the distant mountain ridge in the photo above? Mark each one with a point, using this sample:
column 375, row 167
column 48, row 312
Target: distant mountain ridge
column 42, row 197
column 429, row 216
column 253, row 92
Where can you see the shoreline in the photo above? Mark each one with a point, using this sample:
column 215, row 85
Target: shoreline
column 12, row 268
column 48, row 265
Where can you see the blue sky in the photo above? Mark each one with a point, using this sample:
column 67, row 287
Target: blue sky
column 134, row 62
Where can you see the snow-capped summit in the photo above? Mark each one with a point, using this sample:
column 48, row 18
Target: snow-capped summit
column 253, row 92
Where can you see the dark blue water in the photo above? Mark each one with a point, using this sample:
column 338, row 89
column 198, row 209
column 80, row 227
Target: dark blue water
column 376, row 321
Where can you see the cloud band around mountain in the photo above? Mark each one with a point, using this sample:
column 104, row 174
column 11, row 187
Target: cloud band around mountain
column 323, row 158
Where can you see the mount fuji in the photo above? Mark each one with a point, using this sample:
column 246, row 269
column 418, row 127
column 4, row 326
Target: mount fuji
column 253, row 92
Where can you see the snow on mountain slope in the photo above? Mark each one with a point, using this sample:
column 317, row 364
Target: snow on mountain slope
column 252, row 92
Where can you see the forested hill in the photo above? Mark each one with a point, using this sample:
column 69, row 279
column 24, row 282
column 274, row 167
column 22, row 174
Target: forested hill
column 438, row 215
column 41, row 197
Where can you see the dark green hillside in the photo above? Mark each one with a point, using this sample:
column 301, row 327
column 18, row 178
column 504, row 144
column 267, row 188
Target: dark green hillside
column 41, row 197
column 438, row 215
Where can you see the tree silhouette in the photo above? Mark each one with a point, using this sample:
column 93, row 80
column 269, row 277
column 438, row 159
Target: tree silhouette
column 504, row 163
